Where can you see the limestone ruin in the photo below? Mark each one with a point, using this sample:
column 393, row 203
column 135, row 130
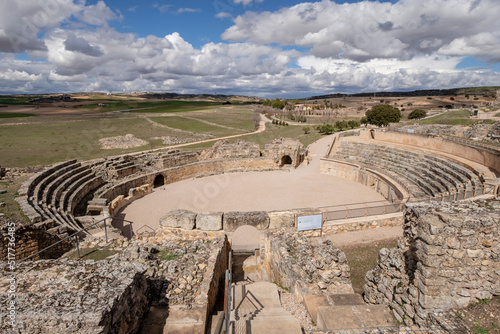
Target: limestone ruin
column 176, row 272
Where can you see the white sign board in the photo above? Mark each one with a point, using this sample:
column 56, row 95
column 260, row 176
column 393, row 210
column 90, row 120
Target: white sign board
column 305, row 223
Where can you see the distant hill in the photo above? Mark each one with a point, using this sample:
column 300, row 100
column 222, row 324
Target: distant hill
column 483, row 91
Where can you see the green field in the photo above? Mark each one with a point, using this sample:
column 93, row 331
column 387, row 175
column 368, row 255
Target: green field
column 272, row 132
column 193, row 125
column 42, row 144
column 238, row 118
column 459, row 117
column 16, row 100
column 13, row 115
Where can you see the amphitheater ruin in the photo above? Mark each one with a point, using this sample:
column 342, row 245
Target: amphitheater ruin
column 173, row 250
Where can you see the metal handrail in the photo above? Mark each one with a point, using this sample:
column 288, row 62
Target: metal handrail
column 225, row 327
column 144, row 226
column 76, row 237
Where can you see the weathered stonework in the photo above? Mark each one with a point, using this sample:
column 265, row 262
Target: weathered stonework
column 184, row 219
column 285, row 151
column 294, row 262
column 29, row 239
column 257, row 219
column 64, row 296
column 176, row 270
column 225, row 149
column 209, row 221
column 449, row 257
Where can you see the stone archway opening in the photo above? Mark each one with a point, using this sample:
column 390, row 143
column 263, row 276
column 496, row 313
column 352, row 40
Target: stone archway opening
column 159, row 181
column 286, row 160
column 245, row 243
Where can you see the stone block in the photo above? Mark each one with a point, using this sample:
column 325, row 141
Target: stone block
column 209, row 221
column 257, row 219
column 184, row 219
column 278, row 219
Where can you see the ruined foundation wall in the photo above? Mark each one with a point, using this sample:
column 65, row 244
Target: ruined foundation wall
column 199, row 169
column 292, row 261
column 449, row 257
column 28, row 239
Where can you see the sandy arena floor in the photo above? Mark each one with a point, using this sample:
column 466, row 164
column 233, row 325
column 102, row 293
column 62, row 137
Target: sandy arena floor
column 303, row 187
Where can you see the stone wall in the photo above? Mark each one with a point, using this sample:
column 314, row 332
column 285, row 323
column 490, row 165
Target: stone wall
column 65, row 296
column 391, row 190
column 29, row 239
column 133, row 194
column 198, row 169
column 279, row 149
column 448, row 258
column 294, row 262
column 225, row 149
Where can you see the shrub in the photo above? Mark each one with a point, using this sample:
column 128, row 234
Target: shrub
column 305, row 129
column 417, row 113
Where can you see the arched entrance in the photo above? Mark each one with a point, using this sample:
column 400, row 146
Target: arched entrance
column 286, row 160
column 159, row 181
column 245, row 239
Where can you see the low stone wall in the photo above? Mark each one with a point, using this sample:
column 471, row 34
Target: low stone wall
column 292, row 261
column 448, row 258
column 214, row 279
column 133, row 194
column 28, row 239
column 352, row 225
column 64, row 296
column 369, row 178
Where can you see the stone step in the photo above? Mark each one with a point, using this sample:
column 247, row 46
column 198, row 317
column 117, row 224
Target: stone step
column 354, row 316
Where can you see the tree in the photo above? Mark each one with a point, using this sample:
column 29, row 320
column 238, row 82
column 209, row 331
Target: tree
column 341, row 125
column 363, row 120
column 278, row 104
column 327, row 129
column 305, row 129
column 256, row 119
column 417, row 113
column 383, row 114
column 353, row 124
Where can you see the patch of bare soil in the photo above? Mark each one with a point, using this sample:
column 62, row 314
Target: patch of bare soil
column 127, row 141
column 482, row 317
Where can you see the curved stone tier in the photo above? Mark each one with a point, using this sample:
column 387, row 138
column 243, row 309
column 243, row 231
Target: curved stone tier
column 422, row 174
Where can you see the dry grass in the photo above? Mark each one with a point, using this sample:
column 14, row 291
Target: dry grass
column 363, row 258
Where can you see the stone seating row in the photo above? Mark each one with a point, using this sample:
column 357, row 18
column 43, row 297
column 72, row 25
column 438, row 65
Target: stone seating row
column 425, row 175
column 55, row 193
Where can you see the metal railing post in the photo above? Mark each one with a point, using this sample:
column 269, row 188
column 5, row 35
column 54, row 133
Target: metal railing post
column 105, row 229
column 77, row 246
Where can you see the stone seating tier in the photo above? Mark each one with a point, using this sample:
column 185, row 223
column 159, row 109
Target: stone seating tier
column 433, row 176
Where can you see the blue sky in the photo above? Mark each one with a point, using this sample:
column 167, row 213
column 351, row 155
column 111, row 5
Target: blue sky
column 250, row 47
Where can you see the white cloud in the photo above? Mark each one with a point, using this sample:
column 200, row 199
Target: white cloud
column 162, row 8
column 97, row 15
column 223, row 15
column 188, row 10
column 367, row 46
column 368, row 30
column 246, row 2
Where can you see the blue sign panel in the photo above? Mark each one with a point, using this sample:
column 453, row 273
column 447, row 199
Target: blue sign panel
column 305, row 223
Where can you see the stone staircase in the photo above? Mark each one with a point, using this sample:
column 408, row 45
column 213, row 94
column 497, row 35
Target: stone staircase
column 257, row 309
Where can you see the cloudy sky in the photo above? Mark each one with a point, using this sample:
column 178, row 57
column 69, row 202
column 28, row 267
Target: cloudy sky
column 267, row 48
